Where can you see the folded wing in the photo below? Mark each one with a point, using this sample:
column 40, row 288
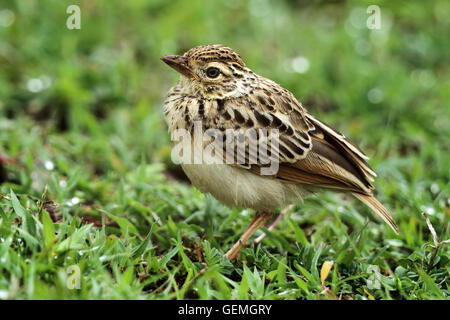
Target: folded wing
column 335, row 162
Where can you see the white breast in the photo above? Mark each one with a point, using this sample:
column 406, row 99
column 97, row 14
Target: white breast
column 237, row 187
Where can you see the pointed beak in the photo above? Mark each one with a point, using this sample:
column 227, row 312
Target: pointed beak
column 180, row 64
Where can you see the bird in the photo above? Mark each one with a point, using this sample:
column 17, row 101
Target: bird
column 219, row 95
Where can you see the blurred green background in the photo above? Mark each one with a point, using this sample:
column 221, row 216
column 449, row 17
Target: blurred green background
column 82, row 135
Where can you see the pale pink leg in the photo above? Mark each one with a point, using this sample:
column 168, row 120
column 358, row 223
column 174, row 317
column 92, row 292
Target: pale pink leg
column 274, row 224
column 258, row 220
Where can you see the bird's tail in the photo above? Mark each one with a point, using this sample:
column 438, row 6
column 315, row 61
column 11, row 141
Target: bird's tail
column 378, row 208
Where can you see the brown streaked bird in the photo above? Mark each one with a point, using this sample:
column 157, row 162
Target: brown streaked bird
column 217, row 90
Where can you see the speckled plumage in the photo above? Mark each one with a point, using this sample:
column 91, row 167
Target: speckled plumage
column 312, row 155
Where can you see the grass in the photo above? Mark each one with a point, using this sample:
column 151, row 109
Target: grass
column 88, row 188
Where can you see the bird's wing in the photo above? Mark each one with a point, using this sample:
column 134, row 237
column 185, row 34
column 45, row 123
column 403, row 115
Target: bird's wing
column 309, row 152
column 337, row 163
column 333, row 162
column 263, row 126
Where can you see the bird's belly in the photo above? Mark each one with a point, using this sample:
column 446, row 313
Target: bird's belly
column 237, row 187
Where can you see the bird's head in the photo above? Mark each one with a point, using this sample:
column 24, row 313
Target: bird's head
column 212, row 71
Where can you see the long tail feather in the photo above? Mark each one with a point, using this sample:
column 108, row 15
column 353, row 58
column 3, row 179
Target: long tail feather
column 378, row 208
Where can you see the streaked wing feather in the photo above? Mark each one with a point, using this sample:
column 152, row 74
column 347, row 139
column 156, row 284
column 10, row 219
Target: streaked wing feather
column 274, row 117
column 347, row 147
column 325, row 167
column 310, row 152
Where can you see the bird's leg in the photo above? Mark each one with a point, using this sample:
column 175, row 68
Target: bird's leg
column 274, row 224
column 258, row 220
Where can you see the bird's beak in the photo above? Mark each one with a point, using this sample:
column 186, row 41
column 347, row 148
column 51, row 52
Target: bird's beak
column 180, row 64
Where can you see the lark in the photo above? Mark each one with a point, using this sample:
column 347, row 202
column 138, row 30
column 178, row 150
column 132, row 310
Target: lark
column 219, row 93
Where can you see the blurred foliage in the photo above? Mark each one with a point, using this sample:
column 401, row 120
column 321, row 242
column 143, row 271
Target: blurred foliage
column 82, row 140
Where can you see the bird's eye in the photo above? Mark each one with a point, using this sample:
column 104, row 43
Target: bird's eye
column 212, row 72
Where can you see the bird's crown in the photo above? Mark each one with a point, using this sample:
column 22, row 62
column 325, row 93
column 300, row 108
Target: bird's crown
column 215, row 52
column 212, row 71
